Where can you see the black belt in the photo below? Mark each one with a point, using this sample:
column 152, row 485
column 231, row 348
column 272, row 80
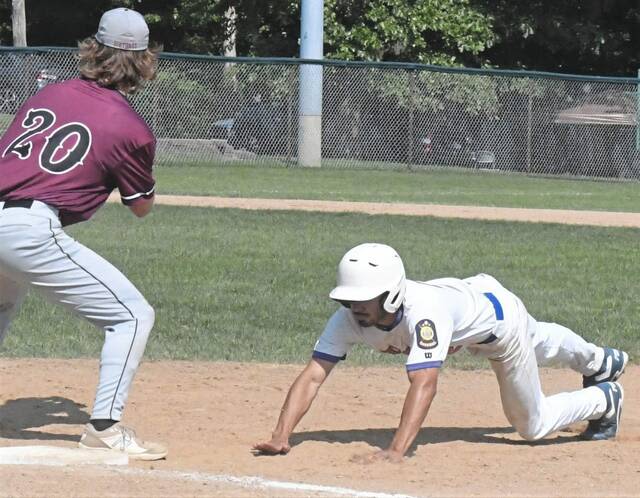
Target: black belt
column 22, row 203
column 499, row 315
column 492, row 337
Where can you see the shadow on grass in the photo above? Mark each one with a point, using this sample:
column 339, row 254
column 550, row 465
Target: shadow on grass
column 19, row 417
column 381, row 438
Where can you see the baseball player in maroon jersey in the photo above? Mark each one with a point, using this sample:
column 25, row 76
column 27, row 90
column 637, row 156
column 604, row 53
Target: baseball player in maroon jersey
column 67, row 149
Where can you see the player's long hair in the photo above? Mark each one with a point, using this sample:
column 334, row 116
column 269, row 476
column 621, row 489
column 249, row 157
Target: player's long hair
column 123, row 70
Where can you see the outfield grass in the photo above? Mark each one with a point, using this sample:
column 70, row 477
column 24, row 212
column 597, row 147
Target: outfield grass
column 457, row 187
column 252, row 286
column 5, row 121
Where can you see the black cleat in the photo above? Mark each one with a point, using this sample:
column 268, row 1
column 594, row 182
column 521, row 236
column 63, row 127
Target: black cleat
column 613, row 365
column 607, row 426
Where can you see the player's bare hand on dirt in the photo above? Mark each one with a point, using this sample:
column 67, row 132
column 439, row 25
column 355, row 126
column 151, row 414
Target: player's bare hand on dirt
column 378, row 456
column 272, row 447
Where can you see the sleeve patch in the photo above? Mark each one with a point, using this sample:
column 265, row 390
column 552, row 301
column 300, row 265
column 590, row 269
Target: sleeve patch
column 426, row 336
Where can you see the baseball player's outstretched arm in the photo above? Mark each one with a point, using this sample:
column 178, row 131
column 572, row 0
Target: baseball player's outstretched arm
column 301, row 394
column 416, row 405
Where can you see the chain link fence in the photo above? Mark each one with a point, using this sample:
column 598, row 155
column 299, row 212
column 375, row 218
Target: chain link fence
column 374, row 115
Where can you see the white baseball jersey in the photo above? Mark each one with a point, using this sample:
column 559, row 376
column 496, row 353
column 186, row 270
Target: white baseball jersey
column 435, row 315
column 479, row 313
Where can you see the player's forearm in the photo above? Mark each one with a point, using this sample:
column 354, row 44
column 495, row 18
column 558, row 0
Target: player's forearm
column 414, row 411
column 142, row 207
column 299, row 399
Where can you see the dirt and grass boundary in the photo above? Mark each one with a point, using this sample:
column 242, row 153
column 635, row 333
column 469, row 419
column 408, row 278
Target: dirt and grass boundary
column 564, row 216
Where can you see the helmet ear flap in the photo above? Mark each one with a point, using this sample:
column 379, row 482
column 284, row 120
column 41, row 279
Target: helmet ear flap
column 395, row 298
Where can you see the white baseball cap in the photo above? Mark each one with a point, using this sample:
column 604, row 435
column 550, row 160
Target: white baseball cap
column 124, row 29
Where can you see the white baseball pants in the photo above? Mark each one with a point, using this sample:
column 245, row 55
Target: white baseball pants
column 522, row 345
column 36, row 253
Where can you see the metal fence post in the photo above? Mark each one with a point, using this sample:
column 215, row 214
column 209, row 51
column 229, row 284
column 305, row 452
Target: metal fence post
column 412, row 89
column 310, row 102
column 529, row 133
column 289, row 125
column 638, row 113
column 154, row 118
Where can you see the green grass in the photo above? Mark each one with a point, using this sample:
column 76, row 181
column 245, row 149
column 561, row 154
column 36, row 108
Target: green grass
column 425, row 187
column 252, row 286
column 5, row 121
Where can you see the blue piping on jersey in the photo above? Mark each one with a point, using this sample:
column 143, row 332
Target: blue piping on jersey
column 426, row 364
column 496, row 305
column 328, row 357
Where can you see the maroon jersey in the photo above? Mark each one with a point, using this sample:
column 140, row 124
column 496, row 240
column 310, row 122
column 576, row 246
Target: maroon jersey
column 71, row 145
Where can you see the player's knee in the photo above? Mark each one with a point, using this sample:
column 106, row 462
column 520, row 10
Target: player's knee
column 530, row 432
column 146, row 316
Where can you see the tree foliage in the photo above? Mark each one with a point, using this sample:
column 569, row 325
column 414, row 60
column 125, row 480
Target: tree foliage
column 432, row 31
column 436, row 31
column 191, row 25
column 572, row 36
column 577, row 36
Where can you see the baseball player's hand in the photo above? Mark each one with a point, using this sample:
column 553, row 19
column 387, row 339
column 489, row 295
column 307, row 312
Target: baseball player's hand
column 273, row 447
column 378, row 456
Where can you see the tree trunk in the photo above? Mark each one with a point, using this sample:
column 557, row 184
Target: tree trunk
column 19, row 24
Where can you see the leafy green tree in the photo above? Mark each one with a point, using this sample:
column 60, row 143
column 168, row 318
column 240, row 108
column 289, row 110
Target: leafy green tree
column 187, row 26
column 60, row 25
column 448, row 32
column 266, row 29
column 195, row 26
column 437, row 31
column 573, row 36
column 5, row 23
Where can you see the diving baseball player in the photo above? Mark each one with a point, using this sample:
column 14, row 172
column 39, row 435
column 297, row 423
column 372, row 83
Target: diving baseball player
column 68, row 147
column 424, row 320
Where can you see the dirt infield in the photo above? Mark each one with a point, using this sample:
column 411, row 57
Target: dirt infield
column 565, row 216
column 211, row 413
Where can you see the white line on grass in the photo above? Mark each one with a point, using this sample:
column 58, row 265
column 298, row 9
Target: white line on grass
column 255, row 482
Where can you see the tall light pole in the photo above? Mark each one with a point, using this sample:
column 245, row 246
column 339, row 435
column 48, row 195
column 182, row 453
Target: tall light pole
column 310, row 93
column 19, row 23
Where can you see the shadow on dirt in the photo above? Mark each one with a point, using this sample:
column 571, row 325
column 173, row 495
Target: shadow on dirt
column 381, row 438
column 19, row 417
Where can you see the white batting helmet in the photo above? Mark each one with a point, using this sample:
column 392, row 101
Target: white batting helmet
column 369, row 270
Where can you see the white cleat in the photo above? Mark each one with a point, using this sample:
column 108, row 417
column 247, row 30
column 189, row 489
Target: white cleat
column 119, row 437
